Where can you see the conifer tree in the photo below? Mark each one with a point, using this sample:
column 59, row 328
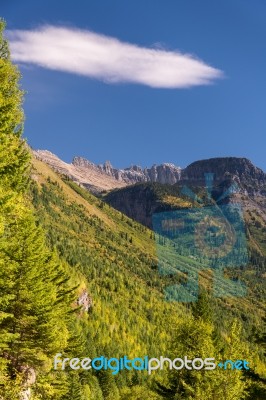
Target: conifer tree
column 194, row 338
column 34, row 294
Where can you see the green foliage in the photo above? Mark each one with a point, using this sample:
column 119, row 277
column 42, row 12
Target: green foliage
column 14, row 158
column 76, row 240
column 196, row 338
column 130, row 315
column 35, row 296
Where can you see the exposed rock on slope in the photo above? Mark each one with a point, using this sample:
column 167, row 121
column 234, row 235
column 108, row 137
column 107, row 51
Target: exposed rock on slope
column 164, row 173
column 85, row 301
column 89, row 175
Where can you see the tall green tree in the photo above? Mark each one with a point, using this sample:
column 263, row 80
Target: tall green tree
column 14, row 157
column 194, row 339
column 35, row 295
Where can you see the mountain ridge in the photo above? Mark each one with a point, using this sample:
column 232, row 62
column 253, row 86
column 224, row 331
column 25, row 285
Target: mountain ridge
column 104, row 177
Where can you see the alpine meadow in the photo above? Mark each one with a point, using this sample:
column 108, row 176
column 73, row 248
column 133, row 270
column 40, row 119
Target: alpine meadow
column 80, row 277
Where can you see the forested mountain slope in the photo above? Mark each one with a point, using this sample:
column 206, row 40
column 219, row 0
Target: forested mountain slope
column 141, row 201
column 115, row 259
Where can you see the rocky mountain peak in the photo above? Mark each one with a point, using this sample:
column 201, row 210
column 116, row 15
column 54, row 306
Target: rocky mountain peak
column 164, row 173
column 83, row 162
column 105, row 177
column 230, row 169
column 136, row 168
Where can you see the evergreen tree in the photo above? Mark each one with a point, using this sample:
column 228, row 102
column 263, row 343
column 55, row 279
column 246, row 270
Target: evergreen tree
column 14, row 157
column 194, row 339
column 35, row 297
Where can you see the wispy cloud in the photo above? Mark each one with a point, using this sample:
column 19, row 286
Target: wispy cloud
column 105, row 58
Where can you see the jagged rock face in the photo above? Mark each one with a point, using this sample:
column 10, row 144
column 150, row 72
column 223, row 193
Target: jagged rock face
column 84, row 173
column 98, row 178
column 227, row 170
column 104, row 177
column 165, row 173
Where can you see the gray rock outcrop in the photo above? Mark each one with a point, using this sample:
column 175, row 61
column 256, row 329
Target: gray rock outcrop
column 164, row 173
column 104, row 177
column 85, row 301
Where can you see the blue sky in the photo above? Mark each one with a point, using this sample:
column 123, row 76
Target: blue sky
column 135, row 111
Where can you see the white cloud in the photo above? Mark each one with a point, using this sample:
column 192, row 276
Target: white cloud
column 105, row 58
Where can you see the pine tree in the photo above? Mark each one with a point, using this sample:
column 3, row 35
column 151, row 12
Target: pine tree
column 35, row 295
column 194, row 339
column 14, row 157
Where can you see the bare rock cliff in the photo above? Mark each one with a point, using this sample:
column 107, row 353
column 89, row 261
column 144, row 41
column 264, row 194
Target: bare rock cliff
column 104, row 177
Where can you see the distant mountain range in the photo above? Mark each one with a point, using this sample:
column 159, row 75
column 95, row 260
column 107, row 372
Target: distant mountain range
column 98, row 178
column 230, row 180
column 104, row 177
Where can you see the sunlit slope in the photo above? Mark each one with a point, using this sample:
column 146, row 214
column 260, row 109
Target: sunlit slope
column 116, row 258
